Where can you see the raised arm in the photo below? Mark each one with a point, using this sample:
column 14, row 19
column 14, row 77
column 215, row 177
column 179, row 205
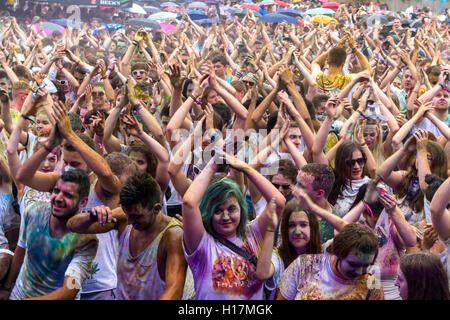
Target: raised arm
column 440, row 215
column 265, row 268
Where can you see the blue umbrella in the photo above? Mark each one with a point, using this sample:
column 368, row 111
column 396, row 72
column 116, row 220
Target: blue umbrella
column 168, row 4
column 319, row 11
column 277, row 18
column 151, row 9
column 68, row 23
column 196, row 14
column 109, row 27
column 208, row 22
column 143, row 23
column 289, row 12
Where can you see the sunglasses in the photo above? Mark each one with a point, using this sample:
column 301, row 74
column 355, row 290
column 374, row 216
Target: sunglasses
column 62, row 82
column 136, row 72
column 284, row 186
column 352, row 162
column 98, row 93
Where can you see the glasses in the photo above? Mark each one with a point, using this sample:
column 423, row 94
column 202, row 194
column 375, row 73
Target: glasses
column 352, row 162
column 98, row 93
column 62, row 82
column 136, row 72
column 284, row 186
column 24, row 93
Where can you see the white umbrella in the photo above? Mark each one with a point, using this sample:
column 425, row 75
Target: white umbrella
column 136, row 9
column 197, row 5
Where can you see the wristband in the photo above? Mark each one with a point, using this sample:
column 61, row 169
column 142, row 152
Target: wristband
column 27, row 118
column 137, row 107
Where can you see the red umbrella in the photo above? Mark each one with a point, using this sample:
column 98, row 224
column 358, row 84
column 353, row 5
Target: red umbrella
column 331, row 5
column 282, row 4
column 172, row 9
column 250, row 6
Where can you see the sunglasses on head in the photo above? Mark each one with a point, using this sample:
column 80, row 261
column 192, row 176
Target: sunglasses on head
column 98, row 93
column 352, row 162
column 284, row 186
column 136, row 72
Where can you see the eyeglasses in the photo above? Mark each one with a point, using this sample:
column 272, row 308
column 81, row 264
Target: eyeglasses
column 98, row 93
column 62, row 82
column 352, row 162
column 284, row 186
column 136, row 72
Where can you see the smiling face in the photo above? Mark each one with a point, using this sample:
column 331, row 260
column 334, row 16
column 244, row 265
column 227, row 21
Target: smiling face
column 440, row 101
column 355, row 265
column 299, row 231
column 370, row 136
column 43, row 125
column 226, row 218
column 64, row 199
column 140, row 75
column 355, row 165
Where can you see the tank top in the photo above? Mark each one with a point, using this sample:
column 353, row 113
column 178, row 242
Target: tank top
column 138, row 277
column 103, row 275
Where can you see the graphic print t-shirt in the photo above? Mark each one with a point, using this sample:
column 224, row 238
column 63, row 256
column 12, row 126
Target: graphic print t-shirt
column 221, row 274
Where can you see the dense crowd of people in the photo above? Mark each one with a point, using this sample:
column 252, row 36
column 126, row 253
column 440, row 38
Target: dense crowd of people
column 225, row 159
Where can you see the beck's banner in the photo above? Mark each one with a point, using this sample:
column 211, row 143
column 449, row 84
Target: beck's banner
column 90, row 3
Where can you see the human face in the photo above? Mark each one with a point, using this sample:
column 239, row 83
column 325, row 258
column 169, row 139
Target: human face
column 4, row 84
column 139, row 217
column 43, row 125
column 74, row 160
column 355, row 265
column 355, row 167
column 397, row 23
column 381, row 67
column 212, row 97
column 370, row 136
column 139, row 75
column 402, row 285
column 49, row 163
column 408, row 80
column 98, row 96
column 305, row 181
column 65, row 199
column 78, row 76
column 398, row 83
column 283, row 184
column 190, row 89
column 299, row 231
column 140, row 160
column 219, row 69
column 440, row 101
column 226, row 218
column 295, row 136
column 321, row 107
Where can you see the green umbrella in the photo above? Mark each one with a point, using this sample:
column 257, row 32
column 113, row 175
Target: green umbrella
column 319, row 11
column 242, row 13
column 162, row 16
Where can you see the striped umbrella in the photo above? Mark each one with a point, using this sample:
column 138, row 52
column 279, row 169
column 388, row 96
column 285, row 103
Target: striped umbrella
column 390, row 14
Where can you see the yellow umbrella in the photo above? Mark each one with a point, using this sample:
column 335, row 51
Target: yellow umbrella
column 296, row 1
column 326, row 19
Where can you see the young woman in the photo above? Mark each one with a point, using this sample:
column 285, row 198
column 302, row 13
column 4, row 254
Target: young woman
column 216, row 211
column 340, row 274
column 300, row 234
column 422, row 276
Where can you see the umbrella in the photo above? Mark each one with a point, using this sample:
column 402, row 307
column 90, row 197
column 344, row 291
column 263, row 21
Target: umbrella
column 49, row 27
column 152, row 9
column 250, row 6
column 196, row 15
column 370, row 20
column 208, row 22
column 143, row 23
column 172, row 9
column 416, row 23
column 168, row 4
column 277, row 18
column 162, row 16
column 282, row 4
column 267, row 3
column 242, row 13
column 197, row 5
column 326, row 19
column 167, row 27
column 319, row 11
column 390, row 14
column 331, row 5
column 135, row 8
column 111, row 26
column 289, row 12
column 68, row 23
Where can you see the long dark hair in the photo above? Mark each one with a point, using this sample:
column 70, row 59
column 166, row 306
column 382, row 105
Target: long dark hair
column 286, row 249
column 425, row 276
column 341, row 171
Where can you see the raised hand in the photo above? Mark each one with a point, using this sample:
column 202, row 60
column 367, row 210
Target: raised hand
column 102, row 215
column 62, row 119
column 389, row 203
column 4, row 97
column 272, row 217
column 421, row 139
column 175, row 76
column 132, row 126
column 286, row 75
column 331, row 107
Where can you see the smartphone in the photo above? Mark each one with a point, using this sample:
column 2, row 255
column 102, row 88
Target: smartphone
column 381, row 191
